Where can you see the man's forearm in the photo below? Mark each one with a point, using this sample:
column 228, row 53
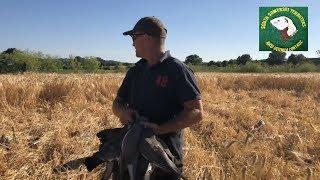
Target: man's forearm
column 185, row 119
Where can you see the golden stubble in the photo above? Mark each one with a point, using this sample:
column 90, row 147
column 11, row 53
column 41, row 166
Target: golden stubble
column 49, row 119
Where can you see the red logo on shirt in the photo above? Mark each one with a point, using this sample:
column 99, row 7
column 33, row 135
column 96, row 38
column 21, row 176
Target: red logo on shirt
column 162, row 80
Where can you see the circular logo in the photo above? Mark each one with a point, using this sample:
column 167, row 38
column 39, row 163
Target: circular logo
column 283, row 29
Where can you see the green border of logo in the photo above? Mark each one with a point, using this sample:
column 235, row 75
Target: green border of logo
column 270, row 37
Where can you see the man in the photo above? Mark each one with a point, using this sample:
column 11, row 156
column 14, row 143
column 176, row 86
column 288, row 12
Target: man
column 160, row 88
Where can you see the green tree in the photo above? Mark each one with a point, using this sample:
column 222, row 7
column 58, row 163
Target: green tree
column 243, row 59
column 11, row 66
column 23, row 59
column 215, row 63
column 90, row 64
column 276, row 58
column 193, row 59
column 10, row 51
column 224, row 63
column 301, row 58
column 297, row 59
column 292, row 59
column 73, row 64
column 211, row 63
column 51, row 65
column 232, row 62
column 79, row 58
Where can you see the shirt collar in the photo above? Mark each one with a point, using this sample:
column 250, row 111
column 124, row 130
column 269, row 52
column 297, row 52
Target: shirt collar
column 165, row 56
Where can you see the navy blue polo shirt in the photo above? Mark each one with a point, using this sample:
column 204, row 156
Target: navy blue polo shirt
column 158, row 93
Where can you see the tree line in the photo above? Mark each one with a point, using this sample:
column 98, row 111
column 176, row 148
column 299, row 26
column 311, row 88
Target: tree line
column 14, row 60
column 276, row 62
column 275, row 58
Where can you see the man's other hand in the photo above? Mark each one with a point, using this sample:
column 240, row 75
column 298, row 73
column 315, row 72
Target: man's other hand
column 155, row 127
column 121, row 109
column 127, row 115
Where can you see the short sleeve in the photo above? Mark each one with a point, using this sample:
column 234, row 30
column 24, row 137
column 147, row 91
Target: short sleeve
column 186, row 85
column 123, row 91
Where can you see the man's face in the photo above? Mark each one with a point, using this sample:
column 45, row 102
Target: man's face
column 138, row 39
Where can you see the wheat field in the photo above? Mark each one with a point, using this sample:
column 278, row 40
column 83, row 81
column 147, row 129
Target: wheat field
column 49, row 119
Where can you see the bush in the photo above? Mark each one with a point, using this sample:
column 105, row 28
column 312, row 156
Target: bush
column 288, row 68
column 307, row 67
column 252, row 67
column 90, row 64
column 243, row 59
column 30, row 59
column 120, row 68
column 51, row 65
column 193, row 59
column 12, row 66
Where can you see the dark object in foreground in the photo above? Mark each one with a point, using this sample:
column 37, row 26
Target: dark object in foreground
column 158, row 154
column 121, row 146
column 109, row 149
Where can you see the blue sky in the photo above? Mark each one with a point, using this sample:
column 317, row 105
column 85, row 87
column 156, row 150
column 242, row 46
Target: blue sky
column 215, row 30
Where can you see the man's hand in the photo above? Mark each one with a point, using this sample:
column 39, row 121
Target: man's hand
column 127, row 115
column 155, row 127
column 122, row 111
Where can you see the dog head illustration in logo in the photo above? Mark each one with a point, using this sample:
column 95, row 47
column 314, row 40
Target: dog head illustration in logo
column 285, row 25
